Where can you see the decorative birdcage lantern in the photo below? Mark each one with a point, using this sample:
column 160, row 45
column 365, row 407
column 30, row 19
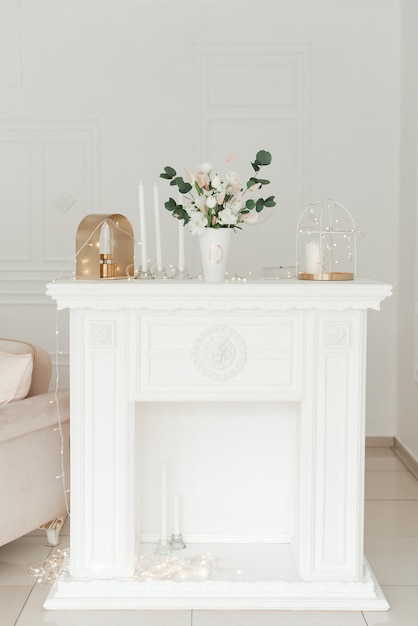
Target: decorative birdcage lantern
column 105, row 247
column 326, row 242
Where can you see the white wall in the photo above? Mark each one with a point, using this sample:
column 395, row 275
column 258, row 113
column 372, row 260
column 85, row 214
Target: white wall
column 407, row 410
column 98, row 94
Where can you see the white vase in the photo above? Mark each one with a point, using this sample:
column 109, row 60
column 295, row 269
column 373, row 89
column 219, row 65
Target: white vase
column 214, row 249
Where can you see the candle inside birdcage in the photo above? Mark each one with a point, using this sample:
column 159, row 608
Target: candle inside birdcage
column 326, row 242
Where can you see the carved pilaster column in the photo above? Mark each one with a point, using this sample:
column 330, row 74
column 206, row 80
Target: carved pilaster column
column 102, row 496
column 330, row 529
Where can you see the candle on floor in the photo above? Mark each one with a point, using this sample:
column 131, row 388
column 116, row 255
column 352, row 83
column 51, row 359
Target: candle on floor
column 176, row 515
column 142, row 228
column 163, row 530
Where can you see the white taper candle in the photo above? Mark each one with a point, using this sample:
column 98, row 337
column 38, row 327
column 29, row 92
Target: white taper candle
column 142, row 228
column 163, row 530
column 176, row 515
column 159, row 256
column 181, row 247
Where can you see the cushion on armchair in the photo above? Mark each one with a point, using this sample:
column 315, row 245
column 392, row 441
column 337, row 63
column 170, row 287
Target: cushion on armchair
column 41, row 374
column 15, row 376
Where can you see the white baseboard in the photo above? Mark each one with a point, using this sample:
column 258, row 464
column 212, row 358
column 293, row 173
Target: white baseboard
column 406, row 457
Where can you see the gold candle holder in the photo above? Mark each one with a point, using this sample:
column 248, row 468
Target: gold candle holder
column 104, row 247
column 326, row 276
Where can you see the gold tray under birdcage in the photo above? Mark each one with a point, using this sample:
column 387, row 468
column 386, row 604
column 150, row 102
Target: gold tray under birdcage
column 326, row 276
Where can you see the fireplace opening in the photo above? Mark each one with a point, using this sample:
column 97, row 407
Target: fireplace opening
column 231, row 466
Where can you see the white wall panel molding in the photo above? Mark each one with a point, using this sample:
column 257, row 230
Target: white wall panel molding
column 47, row 124
column 49, row 170
column 61, row 360
column 10, row 44
column 274, row 94
column 348, row 4
column 15, row 200
column 268, row 108
column 28, row 286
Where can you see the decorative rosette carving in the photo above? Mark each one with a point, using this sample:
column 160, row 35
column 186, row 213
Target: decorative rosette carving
column 219, row 352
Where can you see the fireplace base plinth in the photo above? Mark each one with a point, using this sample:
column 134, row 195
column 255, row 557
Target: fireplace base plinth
column 247, row 577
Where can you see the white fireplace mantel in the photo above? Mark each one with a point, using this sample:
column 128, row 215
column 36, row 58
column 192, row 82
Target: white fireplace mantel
column 152, row 343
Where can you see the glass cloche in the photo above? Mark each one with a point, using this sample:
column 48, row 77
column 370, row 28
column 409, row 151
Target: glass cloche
column 326, row 242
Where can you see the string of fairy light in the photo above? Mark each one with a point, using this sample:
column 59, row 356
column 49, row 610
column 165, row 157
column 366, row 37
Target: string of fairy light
column 199, row 567
column 189, row 569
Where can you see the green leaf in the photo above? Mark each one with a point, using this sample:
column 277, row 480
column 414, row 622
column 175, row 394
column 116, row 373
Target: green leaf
column 168, row 173
column 263, row 157
column 269, row 201
column 181, row 214
column 171, row 204
column 251, row 181
column 183, row 187
column 250, row 204
column 259, row 205
column 198, row 188
column 263, row 181
column 256, row 167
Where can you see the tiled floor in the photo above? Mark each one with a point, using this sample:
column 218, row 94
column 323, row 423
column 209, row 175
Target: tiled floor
column 391, row 539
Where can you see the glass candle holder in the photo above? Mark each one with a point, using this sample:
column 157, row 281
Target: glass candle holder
column 326, row 242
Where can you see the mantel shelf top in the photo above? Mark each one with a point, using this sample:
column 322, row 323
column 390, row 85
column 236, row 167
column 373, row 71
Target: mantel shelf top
column 263, row 294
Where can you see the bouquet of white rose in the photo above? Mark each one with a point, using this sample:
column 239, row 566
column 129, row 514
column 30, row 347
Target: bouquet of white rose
column 210, row 202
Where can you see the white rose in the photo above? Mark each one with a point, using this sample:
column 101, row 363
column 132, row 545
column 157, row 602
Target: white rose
column 232, row 179
column 235, row 205
column 201, row 203
column 227, row 217
column 216, row 182
column 190, row 209
column 197, row 223
column 205, row 168
column 211, row 202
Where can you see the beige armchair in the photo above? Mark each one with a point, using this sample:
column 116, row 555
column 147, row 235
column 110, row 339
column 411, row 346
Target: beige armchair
column 33, row 458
